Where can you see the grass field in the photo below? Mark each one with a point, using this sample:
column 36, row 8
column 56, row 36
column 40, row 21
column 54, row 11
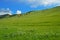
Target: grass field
column 36, row 25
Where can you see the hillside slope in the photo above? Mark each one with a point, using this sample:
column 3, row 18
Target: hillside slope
column 35, row 25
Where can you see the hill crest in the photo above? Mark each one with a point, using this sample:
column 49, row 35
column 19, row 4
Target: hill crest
column 55, row 9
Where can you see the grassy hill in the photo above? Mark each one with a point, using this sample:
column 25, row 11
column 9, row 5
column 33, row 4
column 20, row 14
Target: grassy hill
column 34, row 25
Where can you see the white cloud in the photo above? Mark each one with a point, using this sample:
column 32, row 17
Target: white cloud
column 18, row 12
column 9, row 11
column 36, row 3
column 5, row 11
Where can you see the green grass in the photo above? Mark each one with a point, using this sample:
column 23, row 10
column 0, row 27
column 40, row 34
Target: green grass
column 36, row 25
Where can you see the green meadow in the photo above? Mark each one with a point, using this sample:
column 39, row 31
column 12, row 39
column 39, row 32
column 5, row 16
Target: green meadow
column 34, row 25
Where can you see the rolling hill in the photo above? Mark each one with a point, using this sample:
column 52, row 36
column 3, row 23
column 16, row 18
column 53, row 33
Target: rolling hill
column 34, row 25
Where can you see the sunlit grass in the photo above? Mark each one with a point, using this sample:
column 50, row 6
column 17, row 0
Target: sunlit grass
column 37, row 25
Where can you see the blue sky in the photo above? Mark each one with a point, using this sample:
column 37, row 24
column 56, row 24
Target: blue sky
column 28, row 5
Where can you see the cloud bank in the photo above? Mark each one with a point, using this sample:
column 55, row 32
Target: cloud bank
column 36, row 3
column 5, row 11
column 8, row 11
